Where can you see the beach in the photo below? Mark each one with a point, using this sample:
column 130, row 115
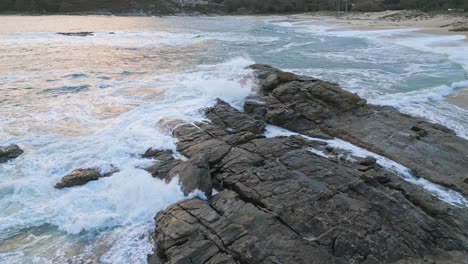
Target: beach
column 435, row 23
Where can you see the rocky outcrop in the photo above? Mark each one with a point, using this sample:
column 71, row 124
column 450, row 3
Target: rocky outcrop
column 297, row 200
column 307, row 105
column 82, row 176
column 10, row 152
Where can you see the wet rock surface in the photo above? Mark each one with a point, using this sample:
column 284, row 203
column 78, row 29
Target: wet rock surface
column 82, row 176
column 297, row 200
column 431, row 151
column 10, row 152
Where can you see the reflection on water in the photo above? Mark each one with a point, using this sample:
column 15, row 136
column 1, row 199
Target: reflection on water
column 79, row 102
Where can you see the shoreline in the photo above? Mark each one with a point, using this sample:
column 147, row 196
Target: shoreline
column 453, row 24
column 272, row 203
column 431, row 23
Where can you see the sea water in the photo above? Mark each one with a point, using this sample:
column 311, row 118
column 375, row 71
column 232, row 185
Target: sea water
column 79, row 102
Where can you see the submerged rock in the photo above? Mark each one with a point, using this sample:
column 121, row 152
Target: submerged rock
column 10, row 152
column 82, row 176
column 76, row 34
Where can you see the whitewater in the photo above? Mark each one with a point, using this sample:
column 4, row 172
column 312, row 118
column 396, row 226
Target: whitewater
column 94, row 102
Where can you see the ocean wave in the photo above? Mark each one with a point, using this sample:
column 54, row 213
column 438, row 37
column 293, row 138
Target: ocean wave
column 117, row 209
column 420, row 96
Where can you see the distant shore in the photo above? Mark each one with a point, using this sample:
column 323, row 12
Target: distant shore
column 434, row 23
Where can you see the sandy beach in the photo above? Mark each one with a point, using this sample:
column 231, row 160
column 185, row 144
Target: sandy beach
column 450, row 23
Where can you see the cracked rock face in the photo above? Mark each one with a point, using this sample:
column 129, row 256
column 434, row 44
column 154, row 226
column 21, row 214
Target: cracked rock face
column 9, row 153
column 281, row 203
column 306, row 105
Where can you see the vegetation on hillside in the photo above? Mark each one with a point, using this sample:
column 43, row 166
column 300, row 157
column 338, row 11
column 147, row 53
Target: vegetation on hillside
column 223, row 6
column 72, row 6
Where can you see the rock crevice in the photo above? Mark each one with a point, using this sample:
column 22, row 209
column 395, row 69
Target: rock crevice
column 290, row 199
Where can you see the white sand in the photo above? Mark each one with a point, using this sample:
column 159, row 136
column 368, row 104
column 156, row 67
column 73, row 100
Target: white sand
column 426, row 22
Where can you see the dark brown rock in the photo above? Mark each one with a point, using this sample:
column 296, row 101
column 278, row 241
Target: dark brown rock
column 281, row 203
column 225, row 115
column 82, row 176
column 194, row 174
column 9, row 153
column 431, row 151
column 165, row 161
column 369, row 161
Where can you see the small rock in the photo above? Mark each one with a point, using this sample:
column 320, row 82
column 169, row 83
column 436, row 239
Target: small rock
column 76, row 34
column 155, row 153
column 165, row 161
column 9, row 152
column 368, row 161
column 81, row 177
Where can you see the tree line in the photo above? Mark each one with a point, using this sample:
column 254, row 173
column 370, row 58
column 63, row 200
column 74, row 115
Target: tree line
column 227, row 6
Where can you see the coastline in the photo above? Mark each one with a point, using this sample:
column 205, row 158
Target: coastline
column 296, row 162
column 274, row 203
column 442, row 24
column 433, row 23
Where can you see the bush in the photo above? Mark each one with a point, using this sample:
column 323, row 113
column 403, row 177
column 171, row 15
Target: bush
column 368, row 6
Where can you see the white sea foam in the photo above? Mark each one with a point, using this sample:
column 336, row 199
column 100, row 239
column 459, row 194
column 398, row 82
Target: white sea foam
column 119, row 208
column 431, row 94
column 147, row 70
column 402, row 86
column 444, row 194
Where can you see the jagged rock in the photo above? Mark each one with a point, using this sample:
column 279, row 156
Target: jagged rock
column 194, row 174
column 164, row 163
column 281, row 203
column 431, row 151
column 9, row 153
column 233, row 230
column 82, row 176
column 225, row 115
column 255, row 105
